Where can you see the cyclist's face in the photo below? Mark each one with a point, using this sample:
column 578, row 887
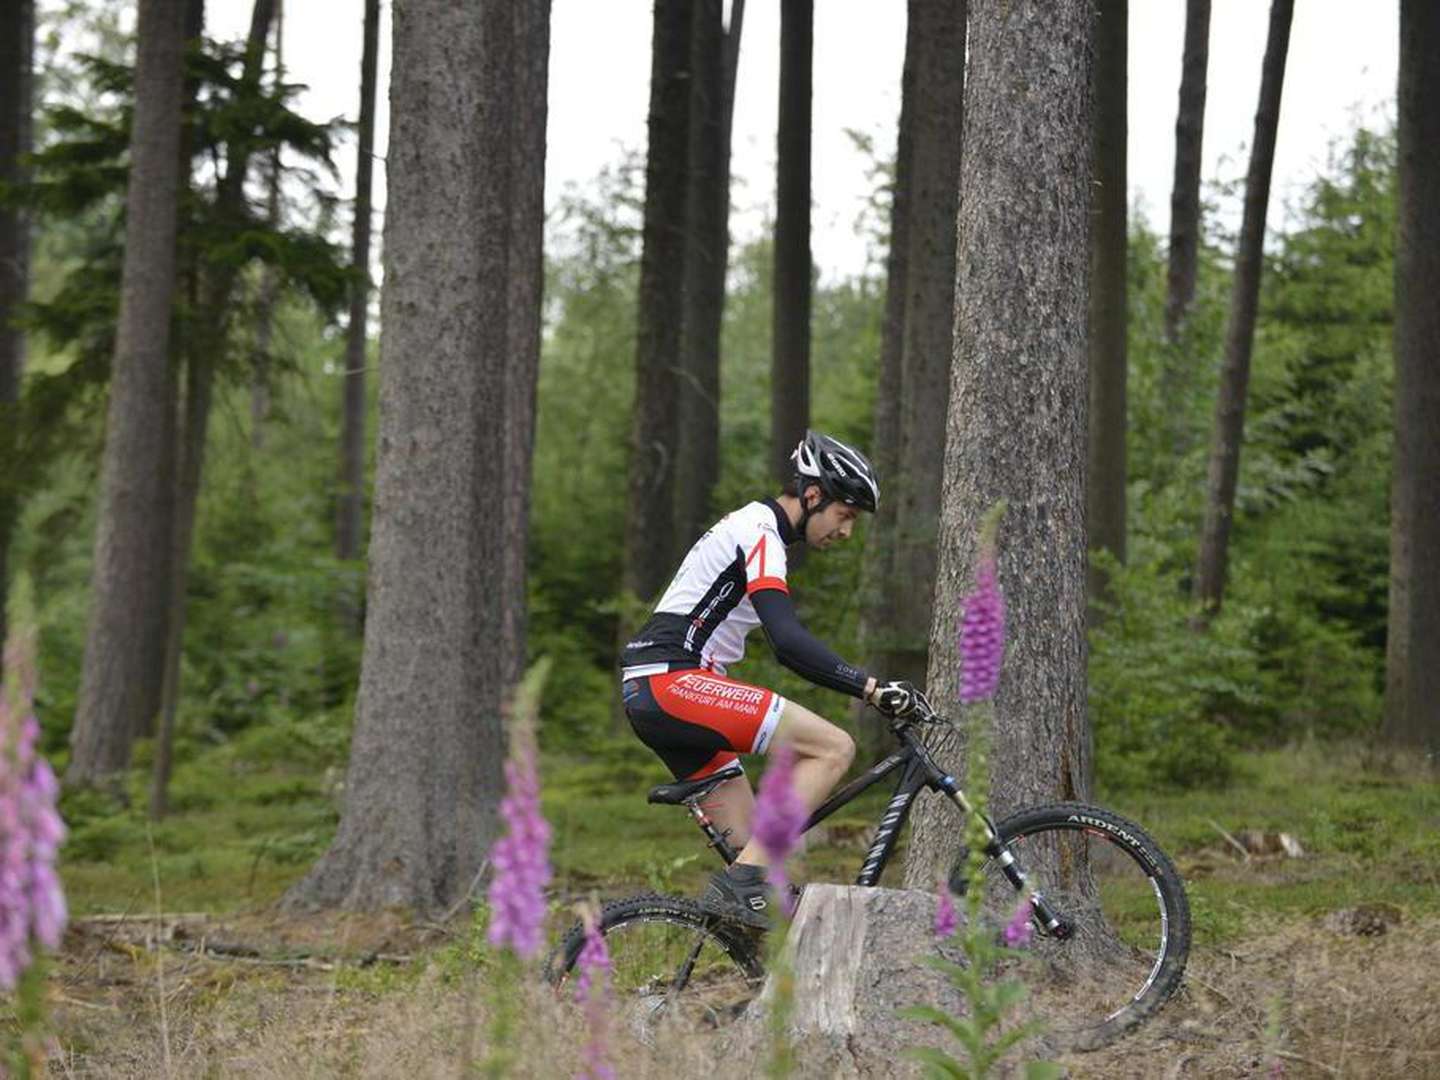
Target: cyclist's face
column 834, row 523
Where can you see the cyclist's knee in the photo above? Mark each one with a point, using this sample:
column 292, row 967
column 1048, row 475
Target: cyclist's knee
column 843, row 749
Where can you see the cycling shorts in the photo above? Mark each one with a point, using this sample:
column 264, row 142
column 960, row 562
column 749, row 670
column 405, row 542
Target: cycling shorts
column 696, row 720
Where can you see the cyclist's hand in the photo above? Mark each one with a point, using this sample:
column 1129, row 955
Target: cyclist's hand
column 895, row 699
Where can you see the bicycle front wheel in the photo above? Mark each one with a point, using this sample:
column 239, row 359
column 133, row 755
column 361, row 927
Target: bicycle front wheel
column 671, row 963
column 1124, row 935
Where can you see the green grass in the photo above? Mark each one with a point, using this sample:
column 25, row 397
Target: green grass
column 249, row 820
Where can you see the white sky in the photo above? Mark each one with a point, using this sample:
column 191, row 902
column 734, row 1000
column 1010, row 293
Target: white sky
column 1341, row 69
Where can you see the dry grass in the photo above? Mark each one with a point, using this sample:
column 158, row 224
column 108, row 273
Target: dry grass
column 1318, row 1001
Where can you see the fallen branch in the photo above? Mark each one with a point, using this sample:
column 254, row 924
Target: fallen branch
column 1244, row 851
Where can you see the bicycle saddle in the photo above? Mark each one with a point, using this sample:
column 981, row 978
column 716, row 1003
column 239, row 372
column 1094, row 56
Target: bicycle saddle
column 682, row 790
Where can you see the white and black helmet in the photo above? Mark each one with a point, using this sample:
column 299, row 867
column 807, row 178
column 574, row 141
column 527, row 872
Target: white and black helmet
column 842, row 471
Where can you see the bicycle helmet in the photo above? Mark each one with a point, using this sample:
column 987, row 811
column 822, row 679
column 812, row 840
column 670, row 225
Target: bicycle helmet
column 842, row 471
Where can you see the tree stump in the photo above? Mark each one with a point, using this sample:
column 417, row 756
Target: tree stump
column 858, row 958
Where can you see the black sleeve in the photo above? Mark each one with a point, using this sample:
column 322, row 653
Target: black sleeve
column 799, row 650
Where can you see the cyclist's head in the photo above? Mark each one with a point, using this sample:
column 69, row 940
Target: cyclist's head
column 842, row 473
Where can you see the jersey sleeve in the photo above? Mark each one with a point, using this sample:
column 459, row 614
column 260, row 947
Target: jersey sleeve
column 765, row 561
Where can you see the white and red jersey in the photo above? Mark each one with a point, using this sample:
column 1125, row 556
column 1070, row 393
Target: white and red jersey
column 704, row 616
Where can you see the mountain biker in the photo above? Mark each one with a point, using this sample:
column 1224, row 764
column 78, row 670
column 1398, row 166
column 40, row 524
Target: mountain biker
column 697, row 719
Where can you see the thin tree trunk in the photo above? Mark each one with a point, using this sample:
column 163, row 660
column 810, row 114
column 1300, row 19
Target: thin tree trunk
column 1185, row 192
column 1229, row 430
column 350, row 506
column 1018, row 403
column 260, row 388
column 205, row 342
column 790, row 362
column 713, row 86
column 939, row 88
column 125, row 649
column 1412, row 662
column 425, row 761
column 650, row 515
column 17, row 41
column 877, row 609
column 1108, row 313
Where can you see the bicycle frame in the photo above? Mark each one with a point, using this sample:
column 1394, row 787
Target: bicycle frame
column 918, row 771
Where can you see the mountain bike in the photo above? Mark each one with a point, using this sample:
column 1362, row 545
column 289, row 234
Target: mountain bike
column 1111, row 923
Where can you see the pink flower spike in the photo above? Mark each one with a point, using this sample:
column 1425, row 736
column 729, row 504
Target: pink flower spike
column 780, row 816
column 521, row 860
column 592, row 991
column 982, row 633
column 947, row 919
column 1019, row 930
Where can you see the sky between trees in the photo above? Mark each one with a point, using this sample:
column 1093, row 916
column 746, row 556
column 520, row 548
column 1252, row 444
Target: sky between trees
column 1342, row 68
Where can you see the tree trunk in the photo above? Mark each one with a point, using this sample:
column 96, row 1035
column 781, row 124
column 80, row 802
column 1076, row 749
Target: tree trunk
column 706, row 257
column 17, row 41
column 1185, row 192
column 260, row 384
column 790, row 363
column 527, row 279
column 1412, row 662
column 939, row 87
column 1108, row 250
column 350, row 506
column 124, row 654
column 204, row 344
column 877, row 609
column 654, row 442
column 425, row 761
column 1018, row 402
column 1229, row 428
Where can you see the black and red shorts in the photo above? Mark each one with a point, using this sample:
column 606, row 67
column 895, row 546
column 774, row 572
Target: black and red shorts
column 697, row 721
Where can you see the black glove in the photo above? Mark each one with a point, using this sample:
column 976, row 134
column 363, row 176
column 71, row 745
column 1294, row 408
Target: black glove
column 896, row 699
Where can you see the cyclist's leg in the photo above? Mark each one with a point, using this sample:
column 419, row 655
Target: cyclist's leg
column 822, row 754
column 731, row 805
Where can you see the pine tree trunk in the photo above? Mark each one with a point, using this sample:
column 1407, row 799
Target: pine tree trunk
column 350, row 505
column 654, row 441
column 1108, row 314
column 17, row 40
column 269, row 291
column 713, row 86
column 1412, row 662
column 1229, row 430
column 790, row 362
column 1018, row 401
column 934, row 176
column 425, row 761
column 877, row 608
column 1185, row 191
column 124, row 654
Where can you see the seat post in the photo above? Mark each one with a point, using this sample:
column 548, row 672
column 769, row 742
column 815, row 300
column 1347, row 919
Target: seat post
column 713, row 836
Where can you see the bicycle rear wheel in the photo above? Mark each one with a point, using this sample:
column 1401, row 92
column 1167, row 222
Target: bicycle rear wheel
column 672, row 963
column 1125, row 921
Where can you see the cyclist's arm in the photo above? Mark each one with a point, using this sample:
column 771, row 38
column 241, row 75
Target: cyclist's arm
column 802, row 652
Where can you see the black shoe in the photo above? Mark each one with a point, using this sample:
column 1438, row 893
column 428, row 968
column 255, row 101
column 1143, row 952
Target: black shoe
column 741, row 893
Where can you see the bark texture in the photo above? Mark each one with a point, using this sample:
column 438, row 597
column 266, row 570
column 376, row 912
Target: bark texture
column 1018, row 401
column 1185, row 190
column 1108, row 312
column 17, row 41
column 713, row 57
column 425, row 761
column 1228, row 433
column 790, row 333
column 125, row 649
column 350, row 505
column 938, row 37
column 655, row 435
column 1412, row 662
column 269, row 289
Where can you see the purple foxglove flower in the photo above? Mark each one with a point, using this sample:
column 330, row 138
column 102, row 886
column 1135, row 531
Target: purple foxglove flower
column 947, row 919
column 592, row 990
column 1018, row 930
column 32, row 903
column 982, row 633
column 520, row 859
column 780, row 816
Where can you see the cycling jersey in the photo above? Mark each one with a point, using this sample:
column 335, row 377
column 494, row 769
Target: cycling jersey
column 733, row 580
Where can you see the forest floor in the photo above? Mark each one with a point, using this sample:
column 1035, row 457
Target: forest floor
column 1326, row 964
